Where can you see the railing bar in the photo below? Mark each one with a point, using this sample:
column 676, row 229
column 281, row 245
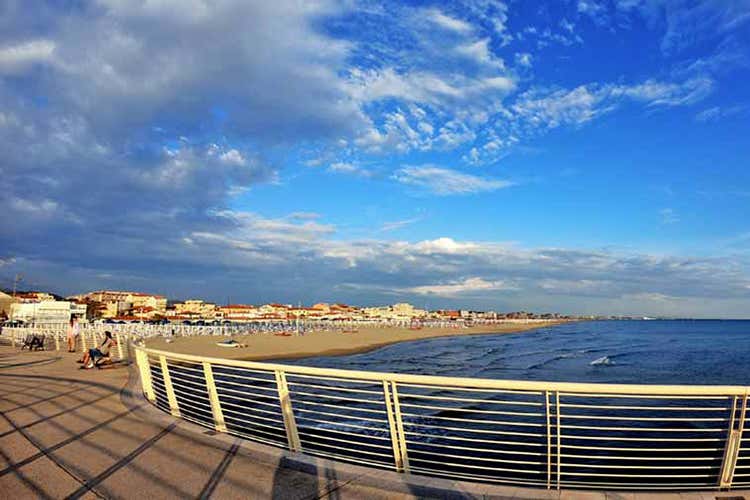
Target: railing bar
column 470, row 458
column 480, row 431
column 470, row 400
column 654, row 408
column 648, row 466
column 261, row 439
column 501, row 451
column 639, row 429
column 182, row 366
column 335, row 379
column 306, row 402
column 254, row 386
column 654, row 486
column 512, row 443
column 192, row 395
column 609, row 448
column 339, row 447
column 474, row 466
column 339, row 431
column 354, row 426
column 471, row 389
column 235, row 419
column 201, row 384
column 194, row 405
column 250, row 408
column 475, row 421
column 617, row 457
column 595, row 474
column 623, row 438
column 350, row 459
column 647, row 419
column 470, row 410
column 342, row 398
column 254, row 416
column 223, row 390
column 340, row 415
column 643, row 396
column 333, row 388
column 221, row 377
column 493, row 479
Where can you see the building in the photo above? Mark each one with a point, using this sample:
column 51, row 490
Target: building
column 195, row 308
column 5, row 303
column 47, row 311
column 238, row 312
column 120, row 303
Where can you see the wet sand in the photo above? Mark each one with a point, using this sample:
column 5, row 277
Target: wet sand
column 267, row 346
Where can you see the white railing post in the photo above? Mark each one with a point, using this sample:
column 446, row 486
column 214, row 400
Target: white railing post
column 141, row 359
column 558, row 450
column 549, row 439
column 118, row 339
column 290, row 424
column 392, row 427
column 173, row 406
column 57, row 341
column 213, row 396
column 733, row 442
column 400, row 428
column 82, row 336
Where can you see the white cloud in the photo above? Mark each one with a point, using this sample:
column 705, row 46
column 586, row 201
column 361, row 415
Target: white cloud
column 524, row 59
column 444, row 182
column 717, row 113
column 398, row 224
column 449, row 23
column 17, row 58
column 459, row 288
column 669, row 216
column 233, row 157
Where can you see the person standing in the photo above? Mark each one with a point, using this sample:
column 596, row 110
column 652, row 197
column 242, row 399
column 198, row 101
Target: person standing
column 73, row 332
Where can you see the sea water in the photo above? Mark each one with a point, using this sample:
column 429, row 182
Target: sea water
column 638, row 352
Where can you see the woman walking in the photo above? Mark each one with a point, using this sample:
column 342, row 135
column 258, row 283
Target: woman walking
column 73, row 331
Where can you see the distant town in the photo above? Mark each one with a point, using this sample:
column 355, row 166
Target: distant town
column 37, row 307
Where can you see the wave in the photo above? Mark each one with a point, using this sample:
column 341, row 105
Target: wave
column 603, row 361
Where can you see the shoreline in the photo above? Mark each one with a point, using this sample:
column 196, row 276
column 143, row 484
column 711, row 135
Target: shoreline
column 315, row 344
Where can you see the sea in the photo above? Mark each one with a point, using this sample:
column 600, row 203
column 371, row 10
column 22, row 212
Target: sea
column 642, row 352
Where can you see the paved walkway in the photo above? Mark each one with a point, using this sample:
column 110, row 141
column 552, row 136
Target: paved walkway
column 69, row 433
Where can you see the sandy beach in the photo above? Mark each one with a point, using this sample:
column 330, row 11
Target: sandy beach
column 267, row 347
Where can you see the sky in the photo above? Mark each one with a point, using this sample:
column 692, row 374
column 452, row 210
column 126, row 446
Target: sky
column 578, row 156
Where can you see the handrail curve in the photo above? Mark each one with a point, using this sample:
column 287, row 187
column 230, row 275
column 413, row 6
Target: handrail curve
column 546, row 434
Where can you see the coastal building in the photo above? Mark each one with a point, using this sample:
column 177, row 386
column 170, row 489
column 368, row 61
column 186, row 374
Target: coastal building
column 5, row 303
column 239, row 312
column 46, row 311
column 195, row 308
column 121, row 303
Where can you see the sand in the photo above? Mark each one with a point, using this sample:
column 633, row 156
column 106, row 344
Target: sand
column 267, row 346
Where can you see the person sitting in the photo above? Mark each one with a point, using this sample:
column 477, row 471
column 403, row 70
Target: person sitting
column 93, row 355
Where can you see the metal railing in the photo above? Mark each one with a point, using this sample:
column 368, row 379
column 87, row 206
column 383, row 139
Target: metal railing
column 56, row 339
column 544, row 434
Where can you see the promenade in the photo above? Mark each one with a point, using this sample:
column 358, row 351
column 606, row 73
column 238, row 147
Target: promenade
column 69, row 433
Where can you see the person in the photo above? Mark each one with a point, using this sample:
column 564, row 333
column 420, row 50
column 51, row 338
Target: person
column 90, row 358
column 73, row 331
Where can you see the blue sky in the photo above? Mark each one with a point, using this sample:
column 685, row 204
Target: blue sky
column 583, row 156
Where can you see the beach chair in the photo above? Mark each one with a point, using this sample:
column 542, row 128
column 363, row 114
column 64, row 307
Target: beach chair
column 104, row 360
column 28, row 341
column 37, row 343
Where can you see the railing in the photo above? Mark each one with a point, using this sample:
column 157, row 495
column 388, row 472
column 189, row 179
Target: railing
column 545, row 434
column 56, row 339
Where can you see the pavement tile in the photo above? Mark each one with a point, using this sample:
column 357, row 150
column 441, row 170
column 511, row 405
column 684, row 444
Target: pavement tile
column 14, row 448
column 39, row 476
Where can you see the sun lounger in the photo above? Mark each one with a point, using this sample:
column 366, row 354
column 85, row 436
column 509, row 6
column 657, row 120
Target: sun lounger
column 28, row 342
